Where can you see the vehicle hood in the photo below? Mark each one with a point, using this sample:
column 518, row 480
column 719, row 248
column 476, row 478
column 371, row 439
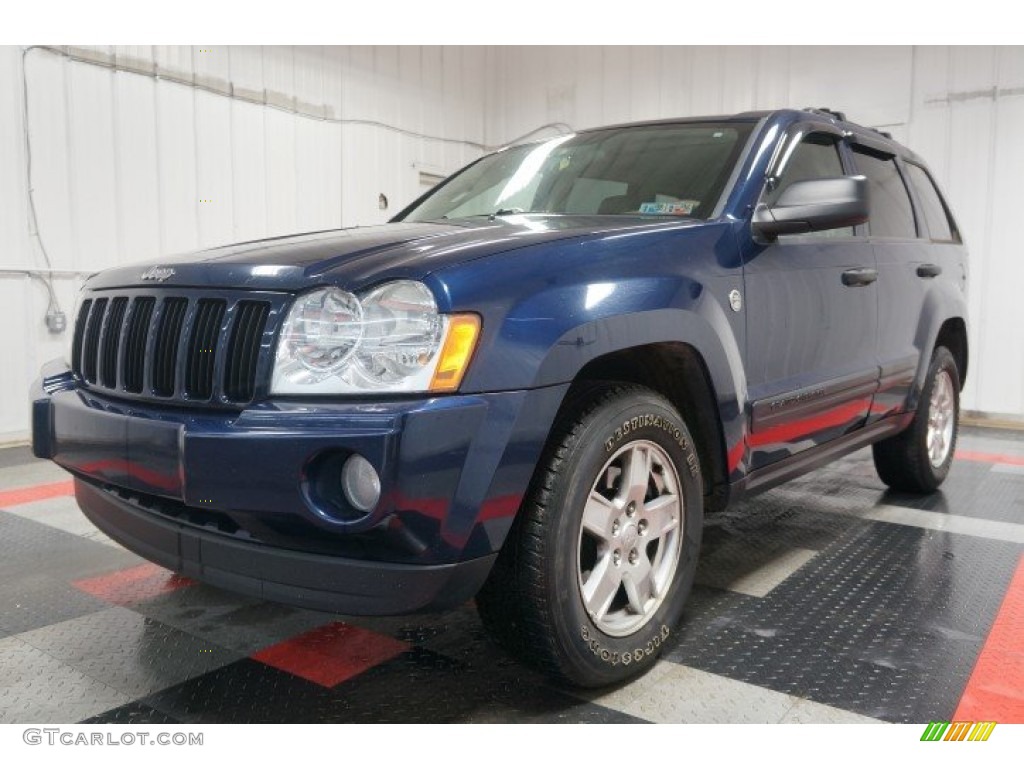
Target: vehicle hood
column 355, row 258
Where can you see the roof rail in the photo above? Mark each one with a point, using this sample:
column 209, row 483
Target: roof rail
column 841, row 116
column 880, row 132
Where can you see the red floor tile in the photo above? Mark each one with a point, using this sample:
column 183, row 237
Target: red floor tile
column 331, row 654
column 995, row 690
column 992, row 458
column 133, row 585
column 36, row 493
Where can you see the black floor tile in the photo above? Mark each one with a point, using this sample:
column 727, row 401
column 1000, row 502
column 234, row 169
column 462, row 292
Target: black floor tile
column 886, row 622
column 135, row 713
column 247, row 692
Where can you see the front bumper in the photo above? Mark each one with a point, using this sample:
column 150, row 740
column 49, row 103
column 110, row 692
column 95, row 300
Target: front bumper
column 236, row 498
column 320, row 582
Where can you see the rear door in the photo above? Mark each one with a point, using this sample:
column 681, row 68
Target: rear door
column 812, row 321
column 908, row 263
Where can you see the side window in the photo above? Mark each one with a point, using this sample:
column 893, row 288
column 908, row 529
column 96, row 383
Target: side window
column 815, row 157
column 934, row 211
column 891, row 212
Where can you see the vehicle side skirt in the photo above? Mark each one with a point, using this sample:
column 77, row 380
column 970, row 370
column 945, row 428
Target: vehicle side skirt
column 775, row 474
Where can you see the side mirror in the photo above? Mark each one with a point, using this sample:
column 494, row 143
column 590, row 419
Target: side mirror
column 814, row 205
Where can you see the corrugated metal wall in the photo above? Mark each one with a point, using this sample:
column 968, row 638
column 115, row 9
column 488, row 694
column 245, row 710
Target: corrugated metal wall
column 144, row 151
column 962, row 108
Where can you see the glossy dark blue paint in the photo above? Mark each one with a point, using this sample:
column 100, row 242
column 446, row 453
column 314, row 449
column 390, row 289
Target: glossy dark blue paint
column 795, row 374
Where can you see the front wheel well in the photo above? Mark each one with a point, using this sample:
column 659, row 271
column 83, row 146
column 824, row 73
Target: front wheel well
column 676, row 371
column 953, row 336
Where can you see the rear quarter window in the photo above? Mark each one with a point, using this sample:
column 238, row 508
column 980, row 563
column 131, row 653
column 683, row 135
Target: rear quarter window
column 936, row 216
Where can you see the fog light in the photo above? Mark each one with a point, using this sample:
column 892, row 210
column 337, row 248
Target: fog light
column 361, row 483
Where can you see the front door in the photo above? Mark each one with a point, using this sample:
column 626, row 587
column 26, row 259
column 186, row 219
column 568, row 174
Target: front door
column 811, row 305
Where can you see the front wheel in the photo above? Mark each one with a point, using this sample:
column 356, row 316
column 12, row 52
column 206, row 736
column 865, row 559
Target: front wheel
column 593, row 578
column 918, row 459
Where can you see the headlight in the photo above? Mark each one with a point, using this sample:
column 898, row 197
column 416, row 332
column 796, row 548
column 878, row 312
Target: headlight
column 390, row 340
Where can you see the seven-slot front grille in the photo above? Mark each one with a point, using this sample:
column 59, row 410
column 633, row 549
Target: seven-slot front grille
column 184, row 346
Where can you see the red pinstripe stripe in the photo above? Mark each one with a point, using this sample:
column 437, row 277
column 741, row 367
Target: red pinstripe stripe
column 36, row 493
column 995, row 690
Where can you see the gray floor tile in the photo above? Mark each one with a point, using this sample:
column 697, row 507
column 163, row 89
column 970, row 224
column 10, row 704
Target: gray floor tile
column 128, row 651
column 38, row 599
column 37, row 688
column 678, row 694
column 806, row 711
column 62, row 513
column 37, row 472
column 751, row 567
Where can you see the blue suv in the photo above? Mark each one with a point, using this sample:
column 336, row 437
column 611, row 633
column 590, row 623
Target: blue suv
column 532, row 384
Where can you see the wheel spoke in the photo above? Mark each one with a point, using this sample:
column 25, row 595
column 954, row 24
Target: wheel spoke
column 662, row 515
column 636, row 474
column 638, row 582
column 598, row 515
column 600, row 588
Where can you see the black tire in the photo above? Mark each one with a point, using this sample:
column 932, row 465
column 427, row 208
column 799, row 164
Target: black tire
column 903, row 462
column 533, row 601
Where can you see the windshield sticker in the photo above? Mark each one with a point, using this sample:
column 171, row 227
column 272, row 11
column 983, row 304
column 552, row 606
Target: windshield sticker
column 677, row 208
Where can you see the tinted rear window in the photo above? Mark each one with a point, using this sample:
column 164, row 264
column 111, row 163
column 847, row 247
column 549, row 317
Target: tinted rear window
column 934, row 211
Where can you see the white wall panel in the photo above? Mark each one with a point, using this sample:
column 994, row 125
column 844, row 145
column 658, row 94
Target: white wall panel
column 138, row 179
column 176, row 155
column 249, row 171
column 214, row 169
column 282, row 201
column 92, row 174
column 872, row 83
column 51, row 164
column 14, row 235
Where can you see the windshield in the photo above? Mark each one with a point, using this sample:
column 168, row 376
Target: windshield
column 656, row 170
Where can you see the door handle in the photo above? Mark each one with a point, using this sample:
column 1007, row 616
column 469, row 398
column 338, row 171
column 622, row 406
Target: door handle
column 929, row 270
column 859, row 276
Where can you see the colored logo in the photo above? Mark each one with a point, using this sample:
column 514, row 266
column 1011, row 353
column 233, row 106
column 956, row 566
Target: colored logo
column 962, row 731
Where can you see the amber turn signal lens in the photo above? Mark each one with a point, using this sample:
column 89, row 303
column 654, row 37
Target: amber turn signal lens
column 463, row 331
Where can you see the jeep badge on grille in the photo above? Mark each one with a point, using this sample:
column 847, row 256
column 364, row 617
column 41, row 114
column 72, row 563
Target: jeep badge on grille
column 159, row 274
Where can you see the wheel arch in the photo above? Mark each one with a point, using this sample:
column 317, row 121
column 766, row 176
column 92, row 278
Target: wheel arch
column 678, row 372
column 953, row 336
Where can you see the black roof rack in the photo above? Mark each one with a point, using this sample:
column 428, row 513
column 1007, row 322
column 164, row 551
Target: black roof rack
column 841, row 116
